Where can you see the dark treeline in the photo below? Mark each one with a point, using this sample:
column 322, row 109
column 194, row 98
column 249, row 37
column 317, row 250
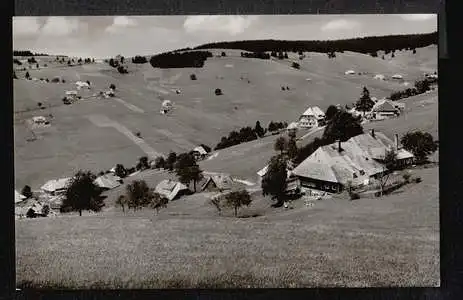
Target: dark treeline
column 421, row 86
column 261, row 55
column 362, row 45
column 139, row 59
column 27, row 53
column 247, row 134
column 192, row 59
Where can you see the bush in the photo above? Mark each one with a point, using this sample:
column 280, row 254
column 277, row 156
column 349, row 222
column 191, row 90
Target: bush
column 139, row 60
column 218, row 92
column 193, row 77
column 159, row 162
column 354, row 196
column 16, row 61
column 122, row 70
column 295, row 65
column 55, row 80
column 406, row 177
column 120, row 171
column 112, row 86
column 138, row 134
column 63, row 81
column 26, row 192
column 417, row 180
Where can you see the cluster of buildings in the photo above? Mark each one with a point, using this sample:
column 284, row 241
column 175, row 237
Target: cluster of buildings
column 356, row 162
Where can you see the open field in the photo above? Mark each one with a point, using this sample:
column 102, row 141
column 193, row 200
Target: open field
column 198, row 117
column 388, row 241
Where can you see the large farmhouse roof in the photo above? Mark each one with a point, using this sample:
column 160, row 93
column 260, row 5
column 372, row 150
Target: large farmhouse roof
column 170, row 188
column 55, row 184
column 108, row 181
column 384, row 105
column 356, row 161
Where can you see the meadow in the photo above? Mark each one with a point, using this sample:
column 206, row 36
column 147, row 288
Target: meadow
column 369, row 242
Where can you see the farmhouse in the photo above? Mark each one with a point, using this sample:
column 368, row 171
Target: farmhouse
column 56, row 186
column 349, row 72
column 292, row 181
column 22, row 209
column 397, row 76
column 214, row 183
column 292, row 128
column 385, row 109
column 199, row 152
column 18, row 197
column 171, row 189
column 357, row 161
column 81, row 84
column 312, row 117
column 166, row 106
column 108, row 181
column 379, row 77
column 39, row 120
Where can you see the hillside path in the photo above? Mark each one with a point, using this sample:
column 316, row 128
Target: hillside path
column 104, row 121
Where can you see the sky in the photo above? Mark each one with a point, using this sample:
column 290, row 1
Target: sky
column 107, row 36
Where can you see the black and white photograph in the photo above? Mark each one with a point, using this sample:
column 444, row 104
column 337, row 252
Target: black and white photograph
column 226, row 151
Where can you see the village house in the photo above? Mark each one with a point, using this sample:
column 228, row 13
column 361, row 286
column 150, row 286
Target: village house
column 18, row 197
column 55, row 186
column 216, row 183
column 108, row 181
column 171, row 189
column 199, row 153
column 384, row 109
column 312, row 117
column 292, row 128
column 355, row 162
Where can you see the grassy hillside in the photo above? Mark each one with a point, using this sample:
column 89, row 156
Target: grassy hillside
column 73, row 141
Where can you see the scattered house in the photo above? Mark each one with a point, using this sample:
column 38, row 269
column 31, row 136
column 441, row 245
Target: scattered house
column 379, row 77
column 431, row 76
column 357, row 161
column 22, row 209
column 384, row 109
column 397, row 76
column 349, row 72
column 56, row 186
column 71, row 96
column 171, row 189
column 108, row 181
column 166, row 106
column 199, row 153
column 82, row 84
column 55, row 202
column 292, row 127
column 39, row 120
column 312, row 117
column 18, row 197
column 216, row 182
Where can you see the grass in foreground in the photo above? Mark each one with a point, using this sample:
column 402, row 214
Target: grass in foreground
column 390, row 241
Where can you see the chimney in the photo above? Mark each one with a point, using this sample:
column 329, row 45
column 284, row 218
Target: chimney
column 373, row 133
column 339, row 145
column 396, row 137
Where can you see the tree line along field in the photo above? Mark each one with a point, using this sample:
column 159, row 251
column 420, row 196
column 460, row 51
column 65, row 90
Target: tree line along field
column 199, row 116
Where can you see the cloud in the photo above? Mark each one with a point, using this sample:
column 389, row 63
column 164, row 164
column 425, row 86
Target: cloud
column 340, row 24
column 61, row 26
column 418, row 17
column 232, row 25
column 119, row 23
column 23, row 26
